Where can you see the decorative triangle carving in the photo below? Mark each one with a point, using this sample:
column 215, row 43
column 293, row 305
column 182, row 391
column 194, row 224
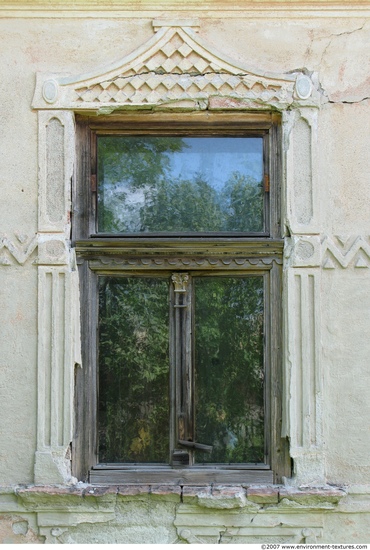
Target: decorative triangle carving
column 343, row 239
column 328, row 264
column 360, row 262
column 356, row 254
column 173, row 66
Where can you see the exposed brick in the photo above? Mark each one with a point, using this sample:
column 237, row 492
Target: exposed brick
column 193, row 490
column 133, row 490
column 165, row 490
column 263, row 494
column 95, row 491
column 225, row 491
column 228, row 103
column 191, row 493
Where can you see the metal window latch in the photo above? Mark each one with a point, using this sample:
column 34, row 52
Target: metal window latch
column 194, row 445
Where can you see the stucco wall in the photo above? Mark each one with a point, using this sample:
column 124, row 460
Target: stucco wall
column 333, row 47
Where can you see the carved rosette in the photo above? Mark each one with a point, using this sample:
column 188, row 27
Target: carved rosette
column 302, row 251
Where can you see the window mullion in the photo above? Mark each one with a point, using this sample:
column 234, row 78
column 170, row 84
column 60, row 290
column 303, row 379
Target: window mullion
column 182, row 355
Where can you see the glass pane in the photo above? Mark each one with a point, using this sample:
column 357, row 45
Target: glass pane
column 229, row 372
column 133, row 370
column 175, row 184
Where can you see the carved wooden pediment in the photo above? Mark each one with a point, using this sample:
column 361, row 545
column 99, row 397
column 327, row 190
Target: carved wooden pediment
column 175, row 69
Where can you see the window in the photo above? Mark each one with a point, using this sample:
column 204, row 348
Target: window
column 176, row 225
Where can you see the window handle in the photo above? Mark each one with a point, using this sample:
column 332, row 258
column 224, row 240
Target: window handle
column 197, row 446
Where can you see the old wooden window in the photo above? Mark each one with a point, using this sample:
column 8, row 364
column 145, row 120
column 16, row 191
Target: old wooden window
column 176, row 225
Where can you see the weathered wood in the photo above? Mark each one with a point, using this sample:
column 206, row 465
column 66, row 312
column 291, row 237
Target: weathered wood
column 275, row 172
column 167, row 123
column 164, row 467
column 184, row 476
column 194, row 445
column 205, row 254
column 152, row 266
column 279, row 446
column 86, row 387
column 80, row 194
column 201, row 247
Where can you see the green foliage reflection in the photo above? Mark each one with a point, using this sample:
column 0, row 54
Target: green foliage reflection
column 133, row 370
column 229, row 368
column 138, row 191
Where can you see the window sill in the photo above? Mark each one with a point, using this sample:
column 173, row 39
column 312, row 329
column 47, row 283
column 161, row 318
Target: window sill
column 253, row 497
column 180, row 476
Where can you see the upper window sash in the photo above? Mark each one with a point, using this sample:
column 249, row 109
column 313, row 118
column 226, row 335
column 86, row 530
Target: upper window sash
column 120, row 200
column 181, row 185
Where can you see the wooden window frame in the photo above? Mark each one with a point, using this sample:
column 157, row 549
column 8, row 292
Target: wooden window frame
column 247, row 254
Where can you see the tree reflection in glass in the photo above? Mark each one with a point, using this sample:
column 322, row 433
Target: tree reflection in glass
column 229, row 369
column 133, row 369
column 180, row 184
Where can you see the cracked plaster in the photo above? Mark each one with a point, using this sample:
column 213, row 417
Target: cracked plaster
column 165, row 515
column 345, row 66
column 338, row 51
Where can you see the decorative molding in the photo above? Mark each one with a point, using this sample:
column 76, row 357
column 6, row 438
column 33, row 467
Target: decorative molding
column 56, row 161
column 55, row 170
column 302, row 172
column 188, row 23
column 180, row 281
column 303, row 86
column 19, row 249
column 303, row 424
column 346, row 251
column 117, row 263
column 180, row 247
column 219, row 9
column 174, row 68
column 251, row 527
column 302, row 251
column 302, row 185
column 299, row 251
column 52, row 249
column 341, row 251
column 58, row 353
